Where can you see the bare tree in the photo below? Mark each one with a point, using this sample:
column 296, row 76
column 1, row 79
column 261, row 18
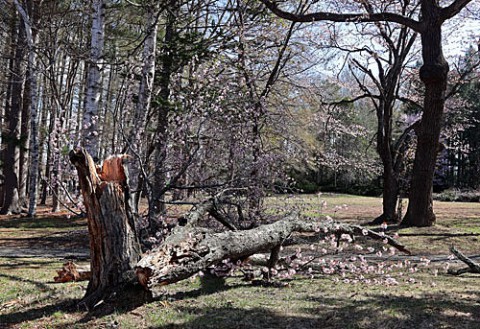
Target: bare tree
column 433, row 74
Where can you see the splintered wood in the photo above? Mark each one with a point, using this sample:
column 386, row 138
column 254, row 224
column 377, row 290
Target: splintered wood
column 112, row 169
column 72, row 272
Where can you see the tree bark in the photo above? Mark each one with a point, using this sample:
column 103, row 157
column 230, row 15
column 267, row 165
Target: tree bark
column 114, row 246
column 137, row 134
column 11, row 137
column 157, row 193
column 93, row 83
column 433, row 74
column 30, row 16
column 472, row 266
column 190, row 250
column 72, row 272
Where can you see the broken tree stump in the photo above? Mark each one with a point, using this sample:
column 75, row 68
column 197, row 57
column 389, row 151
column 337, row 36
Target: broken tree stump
column 114, row 244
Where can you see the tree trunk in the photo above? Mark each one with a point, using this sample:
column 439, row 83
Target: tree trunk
column 114, row 246
column 30, row 16
column 93, row 83
column 390, row 199
column 136, row 143
column 11, row 137
column 156, row 205
column 433, row 74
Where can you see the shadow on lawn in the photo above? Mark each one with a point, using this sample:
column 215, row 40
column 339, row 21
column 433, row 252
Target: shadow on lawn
column 375, row 310
column 126, row 300
column 399, row 312
column 42, row 222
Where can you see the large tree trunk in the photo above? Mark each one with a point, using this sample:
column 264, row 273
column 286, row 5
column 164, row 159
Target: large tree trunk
column 433, row 73
column 114, row 246
column 11, row 137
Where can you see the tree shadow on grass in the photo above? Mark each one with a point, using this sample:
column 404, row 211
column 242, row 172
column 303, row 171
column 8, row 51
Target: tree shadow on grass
column 436, row 310
column 122, row 301
column 39, row 285
column 135, row 296
column 20, row 263
column 41, row 223
column 31, row 314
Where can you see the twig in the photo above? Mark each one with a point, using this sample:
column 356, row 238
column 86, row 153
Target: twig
column 59, row 200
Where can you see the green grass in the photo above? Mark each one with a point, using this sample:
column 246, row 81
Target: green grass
column 29, row 298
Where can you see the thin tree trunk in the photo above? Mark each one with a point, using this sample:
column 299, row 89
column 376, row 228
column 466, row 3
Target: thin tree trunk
column 8, row 104
column 136, row 143
column 25, row 140
column 92, row 96
column 32, row 78
column 157, row 193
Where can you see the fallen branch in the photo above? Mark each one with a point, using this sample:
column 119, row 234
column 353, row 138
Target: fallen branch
column 190, row 250
column 472, row 266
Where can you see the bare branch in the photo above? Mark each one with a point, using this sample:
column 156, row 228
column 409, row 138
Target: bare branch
column 472, row 266
column 351, row 17
column 454, row 9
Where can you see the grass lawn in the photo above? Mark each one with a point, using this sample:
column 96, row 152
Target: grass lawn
column 422, row 295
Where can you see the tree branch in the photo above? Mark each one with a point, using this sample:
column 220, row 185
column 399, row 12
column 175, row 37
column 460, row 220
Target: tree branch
column 351, row 17
column 454, row 9
column 472, row 266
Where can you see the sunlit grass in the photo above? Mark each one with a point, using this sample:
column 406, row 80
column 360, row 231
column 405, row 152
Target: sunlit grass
column 424, row 298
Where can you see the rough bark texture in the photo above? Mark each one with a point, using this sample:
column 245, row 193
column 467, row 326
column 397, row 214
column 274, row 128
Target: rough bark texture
column 114, row 246
column 189, row 250
column 433, row 74
column 11, row 135
column 157, row 193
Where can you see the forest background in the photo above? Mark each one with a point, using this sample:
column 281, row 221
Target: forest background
column 206, row 96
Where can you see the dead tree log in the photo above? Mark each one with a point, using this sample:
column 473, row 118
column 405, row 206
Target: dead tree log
column 472, row 266
column 114, row 245
column 190, row 250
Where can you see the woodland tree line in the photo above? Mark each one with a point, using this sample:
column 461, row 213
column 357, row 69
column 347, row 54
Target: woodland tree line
column 209, row 95
column 229, row 101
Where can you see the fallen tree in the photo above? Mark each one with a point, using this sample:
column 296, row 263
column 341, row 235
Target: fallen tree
column 191, row 249
column 188, row 249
